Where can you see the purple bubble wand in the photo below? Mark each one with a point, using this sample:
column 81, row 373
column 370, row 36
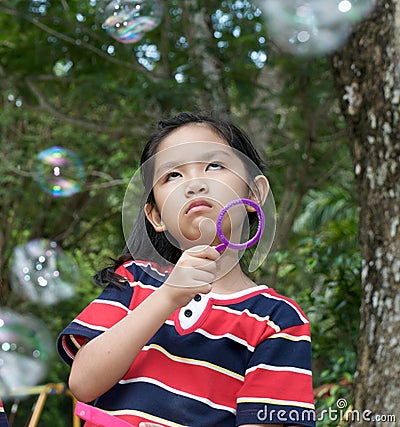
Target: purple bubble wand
column 239, row 246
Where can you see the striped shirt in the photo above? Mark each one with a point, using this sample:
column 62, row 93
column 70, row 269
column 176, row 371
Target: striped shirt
column 3, row 417
column 222, row 360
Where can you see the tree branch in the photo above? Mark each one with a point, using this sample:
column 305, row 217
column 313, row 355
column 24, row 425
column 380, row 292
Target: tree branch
column 130, row 65
column 83, row 124
column 97, row 127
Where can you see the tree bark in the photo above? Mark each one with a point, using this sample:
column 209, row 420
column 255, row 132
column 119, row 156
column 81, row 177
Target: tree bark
column 199, row 32
column 367, row 77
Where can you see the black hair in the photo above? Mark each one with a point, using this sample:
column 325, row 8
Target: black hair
column 164, row 249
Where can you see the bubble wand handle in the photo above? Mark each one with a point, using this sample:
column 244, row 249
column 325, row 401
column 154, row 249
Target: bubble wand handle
column 98, row 417
column 239, row 246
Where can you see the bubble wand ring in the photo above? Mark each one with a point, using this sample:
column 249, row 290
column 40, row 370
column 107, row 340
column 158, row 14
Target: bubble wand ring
column 239, row 246
column 225, row 242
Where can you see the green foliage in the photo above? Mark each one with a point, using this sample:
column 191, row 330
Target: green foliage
column 321, row 270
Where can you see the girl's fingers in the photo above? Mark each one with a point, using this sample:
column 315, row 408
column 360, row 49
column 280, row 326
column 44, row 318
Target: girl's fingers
column 203, row 277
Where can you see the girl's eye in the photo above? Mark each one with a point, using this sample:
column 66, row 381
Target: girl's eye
column 214, row 166
column 172, row 175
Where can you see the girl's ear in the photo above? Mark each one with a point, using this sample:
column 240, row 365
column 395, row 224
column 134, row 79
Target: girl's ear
column 259, row 191
column 154, row 217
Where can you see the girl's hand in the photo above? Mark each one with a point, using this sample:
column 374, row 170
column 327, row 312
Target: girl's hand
column 149, row 425
column 193, row 273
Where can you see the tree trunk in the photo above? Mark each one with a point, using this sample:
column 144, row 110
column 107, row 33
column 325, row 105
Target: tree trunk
column 367, row 76
column 199, row 32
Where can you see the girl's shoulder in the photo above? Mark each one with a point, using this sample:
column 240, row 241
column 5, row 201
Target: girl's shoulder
column 134, row 279
column 268, row 302
column 143, row 271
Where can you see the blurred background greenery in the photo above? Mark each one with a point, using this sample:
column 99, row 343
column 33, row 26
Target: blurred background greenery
column 65, row 82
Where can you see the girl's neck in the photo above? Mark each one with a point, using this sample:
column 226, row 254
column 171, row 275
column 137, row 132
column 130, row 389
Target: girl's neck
column 231, row 277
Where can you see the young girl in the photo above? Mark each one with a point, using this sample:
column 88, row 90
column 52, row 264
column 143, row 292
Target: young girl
column 199, row 344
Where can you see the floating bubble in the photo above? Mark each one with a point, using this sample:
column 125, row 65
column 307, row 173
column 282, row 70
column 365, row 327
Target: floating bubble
column 42, row 273
column 26, row 350
column 59, row 172
column 128, row 20
column 312, row 27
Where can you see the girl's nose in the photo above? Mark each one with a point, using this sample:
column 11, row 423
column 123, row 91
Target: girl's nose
column 196, row 187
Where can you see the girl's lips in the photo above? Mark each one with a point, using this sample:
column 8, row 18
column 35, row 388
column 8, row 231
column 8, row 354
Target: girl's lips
column 198, row 206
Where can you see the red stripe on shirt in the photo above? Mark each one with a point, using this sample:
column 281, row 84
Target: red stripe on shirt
column 203, row 381
column 295, row 331
column 280, row 385
column 102, row 314
column 139, row 295
column 122, row 271
column 245, row 327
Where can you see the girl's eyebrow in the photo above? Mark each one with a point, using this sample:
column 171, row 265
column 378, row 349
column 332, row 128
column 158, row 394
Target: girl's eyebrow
column 210, row 155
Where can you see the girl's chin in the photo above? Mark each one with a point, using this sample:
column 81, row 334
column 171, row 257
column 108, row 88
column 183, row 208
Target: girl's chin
column 204, row 234
column 199, row 242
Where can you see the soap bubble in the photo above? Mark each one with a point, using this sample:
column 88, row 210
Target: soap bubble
column 42, row 273
column 128, row 20
column 59, row 172
column 26, row 350
column 312, row 27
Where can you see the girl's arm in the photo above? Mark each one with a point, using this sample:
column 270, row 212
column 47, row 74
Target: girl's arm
column 103, row 361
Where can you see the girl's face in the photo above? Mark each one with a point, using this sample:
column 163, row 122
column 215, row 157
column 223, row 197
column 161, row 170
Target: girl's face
column 196, row 172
